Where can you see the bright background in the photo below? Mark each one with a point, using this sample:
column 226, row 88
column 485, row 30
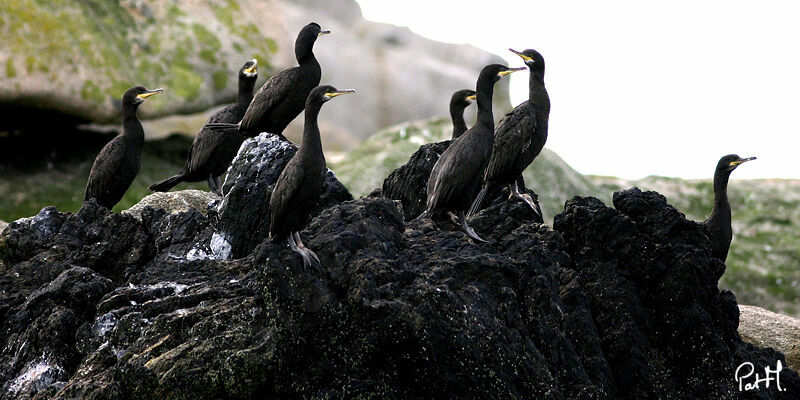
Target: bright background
column 643, row 88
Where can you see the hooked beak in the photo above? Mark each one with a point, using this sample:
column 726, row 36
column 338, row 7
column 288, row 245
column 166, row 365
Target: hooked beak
column 524, row 57
column 323, row 33
column 253, row 69
column 741, row 161
column 149, row 93
column 339, row 93
column 510, row 71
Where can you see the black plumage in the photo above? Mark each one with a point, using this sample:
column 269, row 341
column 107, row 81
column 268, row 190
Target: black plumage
column 719, row 222
column 457, row 174
column 301, row 182
column 519, row 137
column 212, row 151
column 460, row 100
column 116, row 166
column 283, row 96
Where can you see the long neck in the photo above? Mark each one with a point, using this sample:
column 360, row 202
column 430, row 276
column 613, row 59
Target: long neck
column 457, row 115
column 537, row 94
column 311, row 144
column 131, row 127
column 304, row 53
column 721, row 205
column 246, row 86
column 485, row 90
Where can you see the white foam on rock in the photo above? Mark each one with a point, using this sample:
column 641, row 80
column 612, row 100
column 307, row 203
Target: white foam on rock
column 220, row 247
column 37, row 376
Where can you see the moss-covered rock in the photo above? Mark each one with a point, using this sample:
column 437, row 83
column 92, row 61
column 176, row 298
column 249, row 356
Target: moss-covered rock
column 78, row 57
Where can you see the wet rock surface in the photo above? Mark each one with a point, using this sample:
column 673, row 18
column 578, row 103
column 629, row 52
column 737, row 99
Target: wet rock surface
column 611, row 303
column 409, row 183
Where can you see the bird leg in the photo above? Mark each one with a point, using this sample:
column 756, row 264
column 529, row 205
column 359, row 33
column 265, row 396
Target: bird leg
column 212, row 184
column 298, row 250
column 453, row 217
column 469, row 231
column 308, row 253
column 219, row 185
column 514, row 189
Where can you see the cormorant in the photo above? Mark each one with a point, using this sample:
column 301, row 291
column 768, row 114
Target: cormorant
column 457, row 174
column 212, row 151
column 719, row 222
column 520, row 136
column 283, row 96
column 118, row 163
column 301, row 182
column 460, row 100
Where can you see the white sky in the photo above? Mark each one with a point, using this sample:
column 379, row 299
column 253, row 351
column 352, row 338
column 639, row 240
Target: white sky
column 643, row 88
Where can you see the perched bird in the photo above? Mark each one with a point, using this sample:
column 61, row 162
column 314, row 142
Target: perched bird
column 519, row 137
column 301, row 182
column 719, row 222
column 457, row 174
column 118, row 163
column 212, row 151
column 460, row 100
column 283, row 96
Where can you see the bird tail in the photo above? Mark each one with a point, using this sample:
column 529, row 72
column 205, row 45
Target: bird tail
column 166, row 184
column 476, row 205
column 223, row 127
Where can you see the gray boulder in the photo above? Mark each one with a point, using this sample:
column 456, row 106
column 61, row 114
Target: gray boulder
column 174, row 202
column 765, row 328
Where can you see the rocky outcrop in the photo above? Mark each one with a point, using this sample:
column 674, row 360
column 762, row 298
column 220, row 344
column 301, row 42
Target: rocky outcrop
column 612, row 303
column 764, row 328
column 77, row 58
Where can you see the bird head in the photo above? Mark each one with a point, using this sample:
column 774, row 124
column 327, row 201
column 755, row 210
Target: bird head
column 730, row 162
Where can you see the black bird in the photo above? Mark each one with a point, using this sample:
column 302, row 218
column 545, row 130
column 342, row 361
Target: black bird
column 212, row 151
column 301, row 182
column 719, row 222
column 460, row 100
column 283, row 96
column 520, row 136
column 457, row 174
column 116, row 166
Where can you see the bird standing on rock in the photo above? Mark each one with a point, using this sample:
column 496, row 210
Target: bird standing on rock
column 301, row 182
column 457, row 174
column 519, row 137
column 212, row 151
column 460, row 100
column 283, row 96
column 116, row 166
column 719, row 222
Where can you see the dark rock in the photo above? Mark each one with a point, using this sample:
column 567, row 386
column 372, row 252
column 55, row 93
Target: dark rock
column 409, row 183
column 243, row 214
column 610, row 304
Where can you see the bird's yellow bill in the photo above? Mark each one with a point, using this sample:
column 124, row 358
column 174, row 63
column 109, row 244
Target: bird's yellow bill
column 323, row 33
column 510, row 71
column 741, row 161
column 524, row 57
column 471, row 97
column 339, row 93
column 149, row 93
column 253, row 68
